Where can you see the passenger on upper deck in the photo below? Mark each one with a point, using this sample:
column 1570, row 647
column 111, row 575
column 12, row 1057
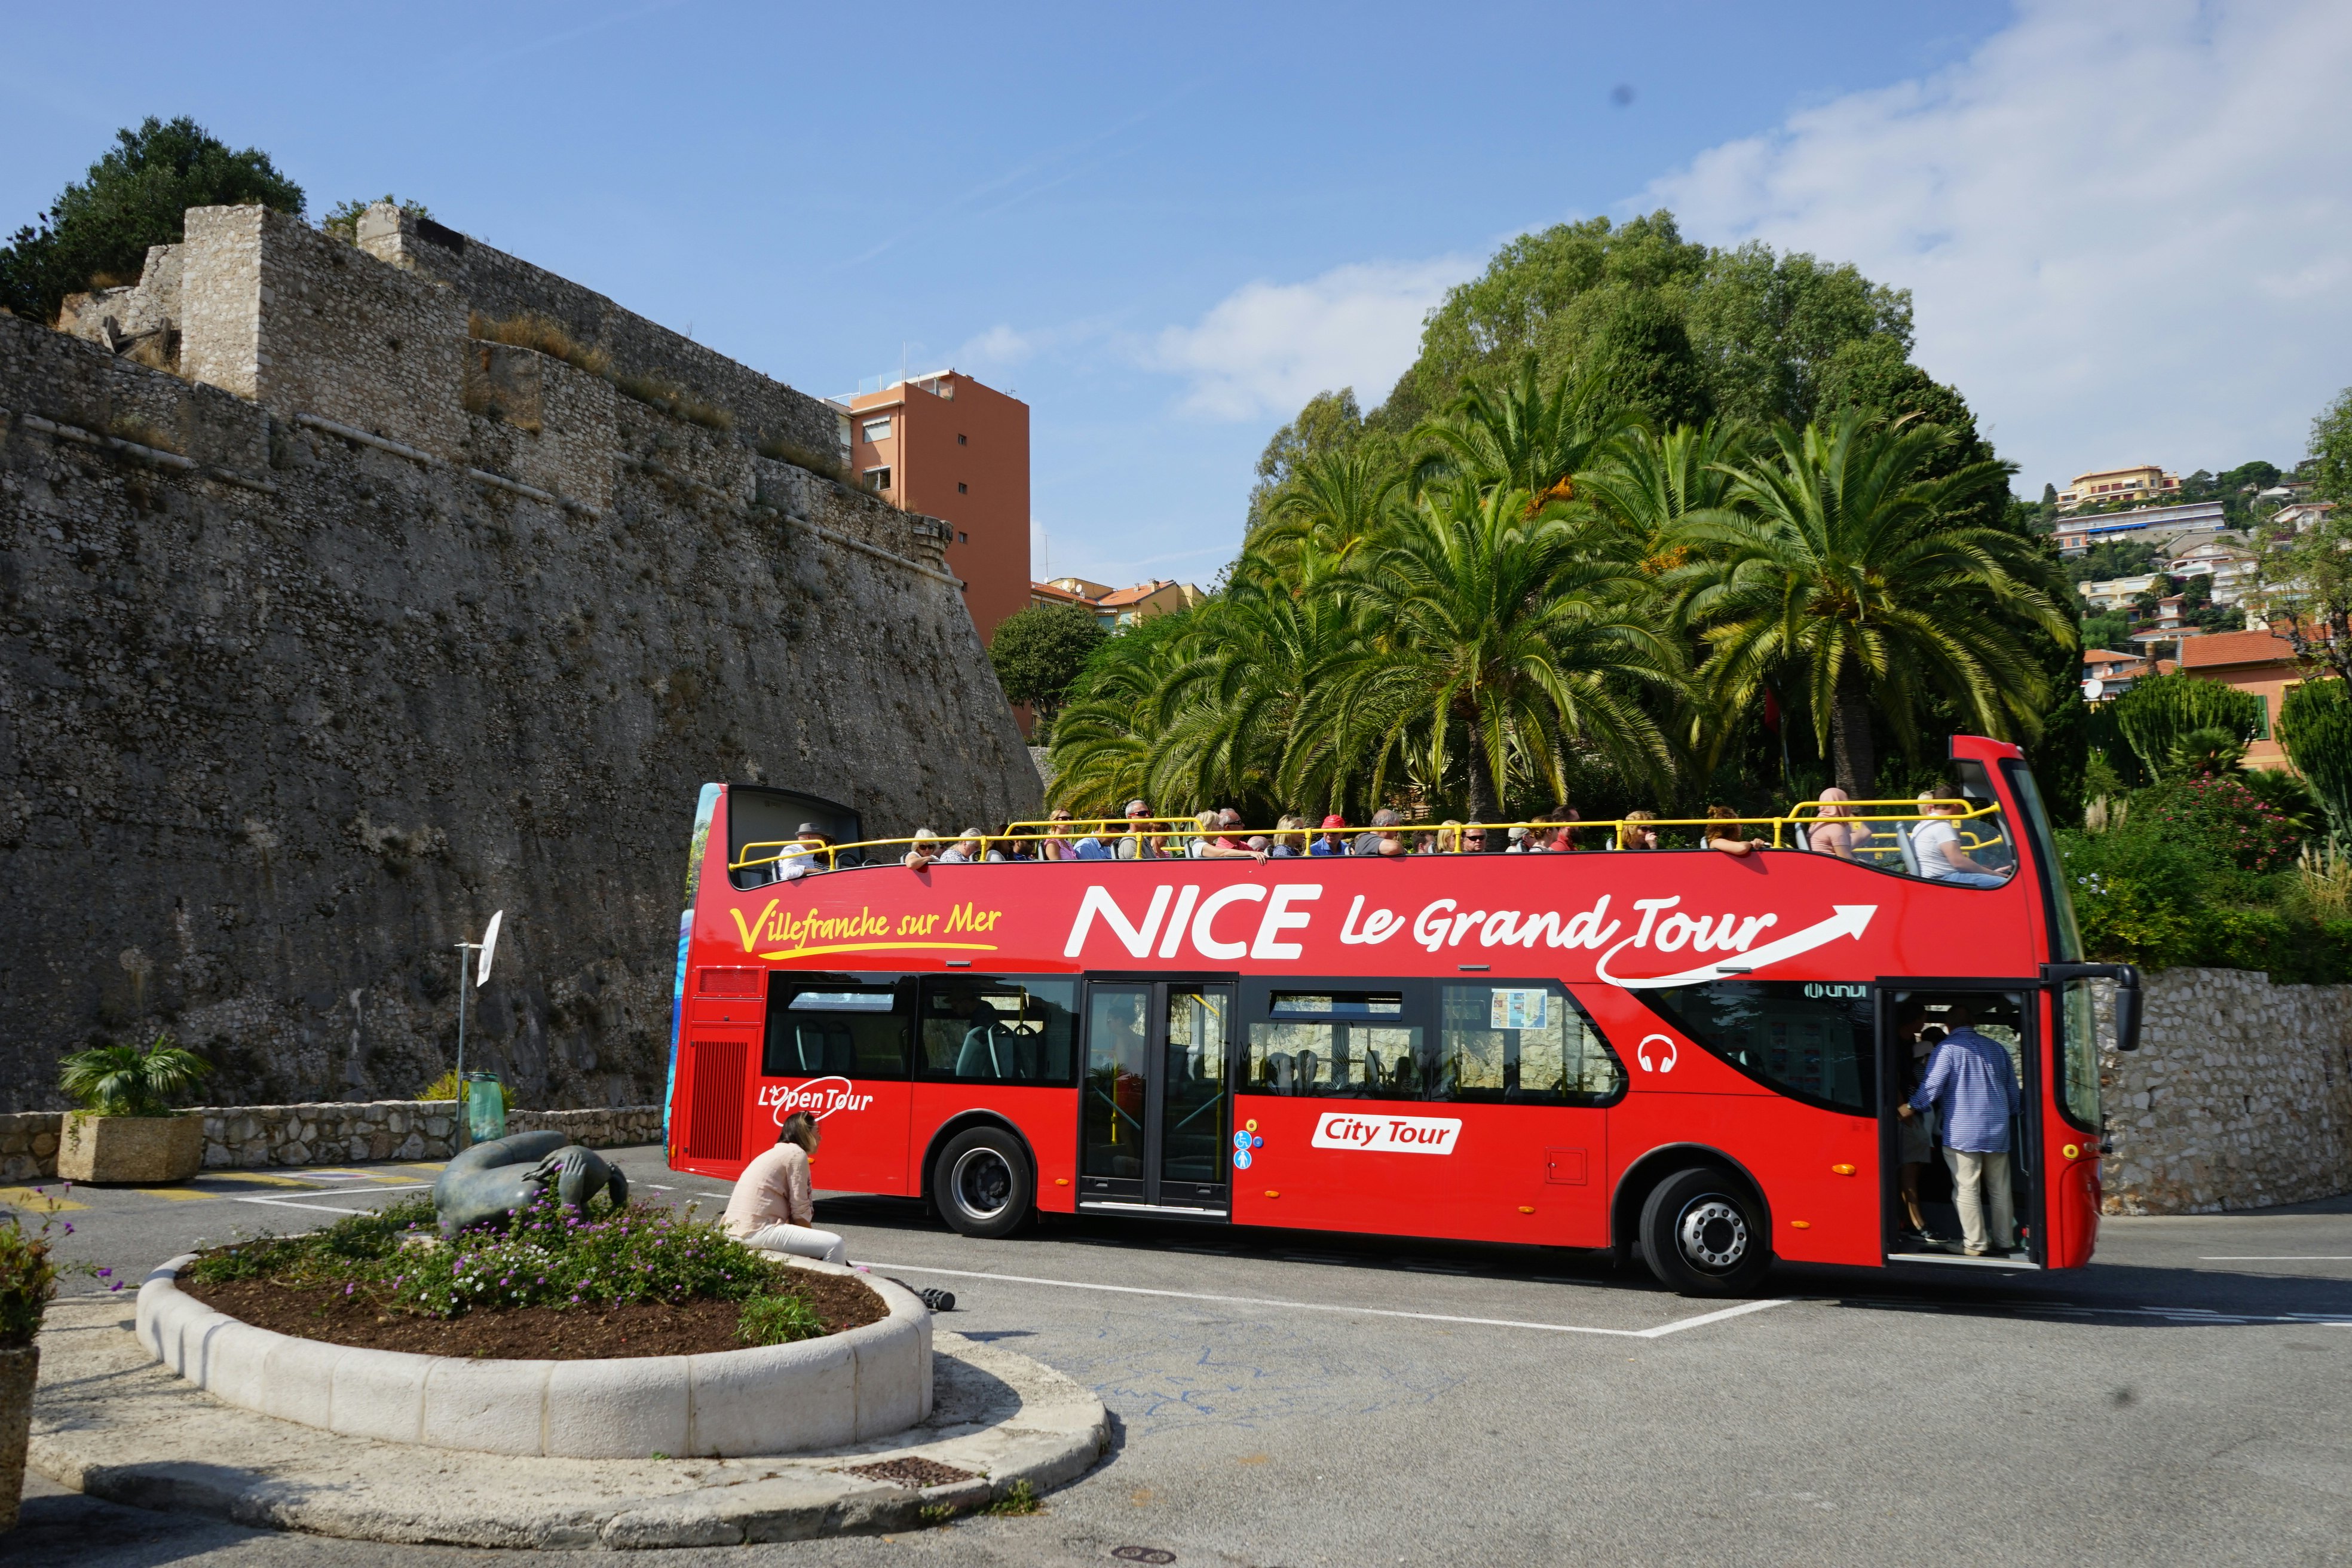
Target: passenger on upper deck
column 1289, row 837
column 1223, row 845
column 964, row 851
column 1011, row 846
column 1328, row 841
column 1056, row 846
column 924, row 850
column 1723, row 832
column 1937, row 842
column 1135, row 845
column 1384, row 822
column 800, row 858
column 1632, row 833
column 1473, row 839
column 1832, row 836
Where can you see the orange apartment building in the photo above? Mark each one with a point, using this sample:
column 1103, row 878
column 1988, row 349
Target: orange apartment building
column 949, row 447
column 2261, row 662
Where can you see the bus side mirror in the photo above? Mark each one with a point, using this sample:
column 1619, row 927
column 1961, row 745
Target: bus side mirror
column 2127, row 1009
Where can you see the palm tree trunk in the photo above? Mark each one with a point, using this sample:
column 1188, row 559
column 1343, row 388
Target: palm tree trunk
column 1850, row 751
column 1482, row 790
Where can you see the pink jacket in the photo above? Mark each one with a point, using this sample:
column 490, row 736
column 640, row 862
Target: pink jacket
column 772, row 1189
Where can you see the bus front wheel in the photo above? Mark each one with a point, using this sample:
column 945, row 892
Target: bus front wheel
column 1703, row 1234
column 982, row 1183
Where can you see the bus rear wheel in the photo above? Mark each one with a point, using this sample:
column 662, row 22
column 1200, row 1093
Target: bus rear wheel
column 1702, row 1235
column 982, row 1183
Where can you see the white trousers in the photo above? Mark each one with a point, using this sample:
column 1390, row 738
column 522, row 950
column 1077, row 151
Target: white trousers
column 1977, row 1179
column 800, row 1241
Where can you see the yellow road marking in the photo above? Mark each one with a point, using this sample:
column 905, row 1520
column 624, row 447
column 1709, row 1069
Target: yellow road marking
column 36, row 1202
column 177, row 1194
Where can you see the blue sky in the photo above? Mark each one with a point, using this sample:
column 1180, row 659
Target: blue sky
column 1164, row 228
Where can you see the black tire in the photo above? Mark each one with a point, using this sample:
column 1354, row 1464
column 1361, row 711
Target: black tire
column 1704, row 1234
column 984, row 1183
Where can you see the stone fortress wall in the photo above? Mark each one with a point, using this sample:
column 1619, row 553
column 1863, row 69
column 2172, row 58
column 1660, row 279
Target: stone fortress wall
column 325, row 630
column 2238, row 1097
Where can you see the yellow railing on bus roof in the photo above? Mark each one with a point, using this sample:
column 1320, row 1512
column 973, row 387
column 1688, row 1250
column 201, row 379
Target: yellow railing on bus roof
column 1803, row 814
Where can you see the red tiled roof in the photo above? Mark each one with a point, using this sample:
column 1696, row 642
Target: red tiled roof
column 2236, row 647
column 2106, row 656
column 1129, row 596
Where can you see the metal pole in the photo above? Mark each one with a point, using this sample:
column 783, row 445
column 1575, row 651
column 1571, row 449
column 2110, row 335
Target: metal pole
column 457, row 1138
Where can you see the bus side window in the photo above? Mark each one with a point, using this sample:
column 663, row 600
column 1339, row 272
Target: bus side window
column 998, row 1028
column 1522, row 1042
column 1356, row 1045
column 837, row 1026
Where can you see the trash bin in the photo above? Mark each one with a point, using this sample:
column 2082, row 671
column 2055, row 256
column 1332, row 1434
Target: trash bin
column 486, row 1108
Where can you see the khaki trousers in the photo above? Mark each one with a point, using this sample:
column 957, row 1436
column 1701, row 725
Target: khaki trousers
column 801, row 1241
column 1979, row 1178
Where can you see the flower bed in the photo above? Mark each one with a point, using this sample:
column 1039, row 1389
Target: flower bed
column 639, row 1281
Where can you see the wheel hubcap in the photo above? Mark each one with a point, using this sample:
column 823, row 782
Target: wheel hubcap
column 983, row 1183
column 1712, row 1233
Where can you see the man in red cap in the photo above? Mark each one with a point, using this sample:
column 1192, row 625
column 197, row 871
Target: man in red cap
column 1328, row 841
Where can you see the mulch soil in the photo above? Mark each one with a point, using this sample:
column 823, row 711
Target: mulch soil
column 525, row 1333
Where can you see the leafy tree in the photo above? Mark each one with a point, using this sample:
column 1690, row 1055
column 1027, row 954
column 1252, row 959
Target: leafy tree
column 1843, row 567
column 2110, row 559
column 2159, row 713
column 1640, row 352
column 1039, row 651
column 2304, row 590
column 342, row 219
column 2109, row 631
column 2331, row 452
column 1330, row 423
column 95, row 234
column 1769, row 327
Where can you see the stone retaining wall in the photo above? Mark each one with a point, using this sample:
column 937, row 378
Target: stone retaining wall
column 2239, row 1095
column 242, row 1137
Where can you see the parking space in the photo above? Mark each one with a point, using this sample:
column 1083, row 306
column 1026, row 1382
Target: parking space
column 1283, row 1399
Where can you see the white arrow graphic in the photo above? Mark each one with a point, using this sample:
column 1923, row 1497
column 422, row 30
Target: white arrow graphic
column 1851, row 919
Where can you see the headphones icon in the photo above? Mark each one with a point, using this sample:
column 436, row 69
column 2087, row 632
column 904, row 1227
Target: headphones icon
column 1666, row 1062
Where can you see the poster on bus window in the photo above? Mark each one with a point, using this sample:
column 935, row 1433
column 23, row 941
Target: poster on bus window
column 1517, row 1009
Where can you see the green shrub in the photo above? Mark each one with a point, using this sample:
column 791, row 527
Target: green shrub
column 28, row 1279
column 778, row 1320
column 2223, row 815
column 2156, row 715
column 2315, row 726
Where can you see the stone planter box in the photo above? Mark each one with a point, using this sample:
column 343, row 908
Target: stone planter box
column 20, row 1368
column 129, row 1149
column 775, row 1399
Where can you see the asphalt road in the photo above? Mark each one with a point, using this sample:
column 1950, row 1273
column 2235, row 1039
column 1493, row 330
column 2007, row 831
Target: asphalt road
column 1292, row 1400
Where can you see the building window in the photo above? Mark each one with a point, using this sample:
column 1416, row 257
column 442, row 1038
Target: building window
column 878, row 429
column 962, row 488
column 959, row 441
column 877, row 479
column 962, row 538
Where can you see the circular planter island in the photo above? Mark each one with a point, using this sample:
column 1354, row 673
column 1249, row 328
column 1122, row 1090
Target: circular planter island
column 847, row 1387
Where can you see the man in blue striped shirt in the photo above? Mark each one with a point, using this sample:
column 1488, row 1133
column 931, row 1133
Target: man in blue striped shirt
column 1973, row 1084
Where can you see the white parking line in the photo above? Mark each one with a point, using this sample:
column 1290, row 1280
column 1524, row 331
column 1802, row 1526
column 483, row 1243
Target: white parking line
column 2279, row 1257
column 330, row 1208
column 1659, row 1332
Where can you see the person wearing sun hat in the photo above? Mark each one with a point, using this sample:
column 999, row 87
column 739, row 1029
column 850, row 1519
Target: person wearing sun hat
column 1328, row 841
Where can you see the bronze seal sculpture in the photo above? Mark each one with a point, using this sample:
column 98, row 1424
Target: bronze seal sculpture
column 490, row 1181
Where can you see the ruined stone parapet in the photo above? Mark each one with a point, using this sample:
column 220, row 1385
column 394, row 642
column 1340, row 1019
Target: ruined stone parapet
column 2238, row 1097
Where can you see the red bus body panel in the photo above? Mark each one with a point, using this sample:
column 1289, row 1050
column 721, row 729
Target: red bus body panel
column 1531, row 1173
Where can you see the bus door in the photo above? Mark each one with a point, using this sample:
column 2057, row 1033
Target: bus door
column 1156, row 1104
column 1923, row 1222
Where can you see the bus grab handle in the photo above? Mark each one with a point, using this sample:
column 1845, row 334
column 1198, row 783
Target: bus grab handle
column 2127, row 979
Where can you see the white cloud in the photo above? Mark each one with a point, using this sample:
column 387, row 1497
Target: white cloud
column 1000, row 346
column 1266, row 348
column 2127, row 228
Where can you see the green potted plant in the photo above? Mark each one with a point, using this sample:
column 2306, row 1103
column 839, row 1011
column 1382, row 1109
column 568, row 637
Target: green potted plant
column 28, row 1279
column 127, row 1130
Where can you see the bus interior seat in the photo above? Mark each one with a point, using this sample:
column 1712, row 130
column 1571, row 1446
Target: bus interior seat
column 823, row 1049
column 1307, row 1066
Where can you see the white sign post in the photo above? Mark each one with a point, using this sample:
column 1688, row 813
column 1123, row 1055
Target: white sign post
column 486, row 947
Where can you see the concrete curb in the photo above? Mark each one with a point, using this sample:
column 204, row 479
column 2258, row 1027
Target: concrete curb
column 109, row 1421
column 772, row 1399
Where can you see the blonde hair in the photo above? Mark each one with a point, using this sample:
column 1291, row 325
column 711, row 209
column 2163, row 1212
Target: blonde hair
column 800, row 1128
column 1718, row 816
column 1627, row 833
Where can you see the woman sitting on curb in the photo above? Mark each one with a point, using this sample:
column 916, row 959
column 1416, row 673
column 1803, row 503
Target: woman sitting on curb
column 770, row 1207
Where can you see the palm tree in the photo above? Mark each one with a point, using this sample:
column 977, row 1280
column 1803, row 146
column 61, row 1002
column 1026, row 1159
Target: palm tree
column 1526, row 436
column 1491, row 635
column 1841, row 559
column 1648, row 482
column 1334, row 502
column 124, row 1080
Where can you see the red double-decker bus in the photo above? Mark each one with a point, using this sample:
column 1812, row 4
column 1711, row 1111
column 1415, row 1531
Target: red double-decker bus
column 1686, row 1054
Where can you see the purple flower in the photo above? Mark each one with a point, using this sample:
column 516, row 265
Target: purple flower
column 106, row 1274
